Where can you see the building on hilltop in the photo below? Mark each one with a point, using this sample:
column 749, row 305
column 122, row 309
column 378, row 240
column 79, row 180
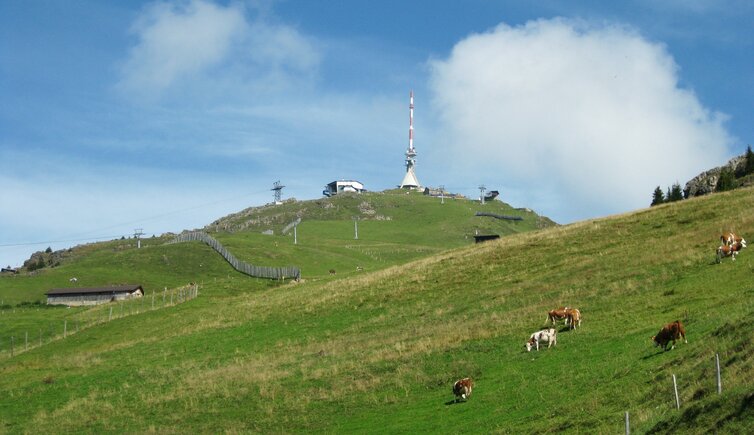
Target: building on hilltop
column 342, row 186
column 409, row 180
column 93, row 295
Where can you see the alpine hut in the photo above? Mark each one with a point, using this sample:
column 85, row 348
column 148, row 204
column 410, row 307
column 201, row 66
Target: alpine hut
column 93, row 295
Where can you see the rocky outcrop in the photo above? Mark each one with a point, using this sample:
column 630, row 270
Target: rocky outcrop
column 705, row 182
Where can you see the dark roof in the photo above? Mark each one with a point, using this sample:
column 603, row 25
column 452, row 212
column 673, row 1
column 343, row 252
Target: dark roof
column 95, row 290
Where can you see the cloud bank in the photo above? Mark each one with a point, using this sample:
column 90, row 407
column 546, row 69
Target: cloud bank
column 577, row 119
column 180, row 44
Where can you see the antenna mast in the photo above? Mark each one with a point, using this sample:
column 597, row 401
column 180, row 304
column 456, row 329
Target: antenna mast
column 409, row 180
column 482, row 188
column 278, row 189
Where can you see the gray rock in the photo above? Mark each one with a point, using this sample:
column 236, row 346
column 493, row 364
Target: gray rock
column 705, row 182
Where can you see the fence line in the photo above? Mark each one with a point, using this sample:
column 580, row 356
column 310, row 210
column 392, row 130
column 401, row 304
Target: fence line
column 243, row 267
column 718, row 381
column 183, row 294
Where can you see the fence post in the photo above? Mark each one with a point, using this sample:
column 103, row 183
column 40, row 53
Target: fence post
column 628, row 426
column 719, row 381
column 65, row 328
column 677, row 400
column 111, row 314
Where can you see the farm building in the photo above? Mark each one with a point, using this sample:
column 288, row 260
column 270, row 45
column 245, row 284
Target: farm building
column 93, row 296
column 341, row 186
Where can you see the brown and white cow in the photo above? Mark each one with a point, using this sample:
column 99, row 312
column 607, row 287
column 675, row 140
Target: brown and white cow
column 573, row 318
column 550, row 336
column 728, row 239
column 462, row 388
column 729, row 251
column 557, row 314
column 670, row 332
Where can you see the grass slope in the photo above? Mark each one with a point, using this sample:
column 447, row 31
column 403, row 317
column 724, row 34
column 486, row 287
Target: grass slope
column 379, row 351
column 393, row 227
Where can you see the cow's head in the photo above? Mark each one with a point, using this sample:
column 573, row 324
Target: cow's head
column 654, row 340
column 529, row 344
column 743, row 243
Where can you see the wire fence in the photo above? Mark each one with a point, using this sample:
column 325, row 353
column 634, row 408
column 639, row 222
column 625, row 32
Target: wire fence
column 243, row 267
column 676, row 396
column 23, row 338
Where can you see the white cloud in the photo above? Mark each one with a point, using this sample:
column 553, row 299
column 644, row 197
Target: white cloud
column 199, row 45
column 591, row 115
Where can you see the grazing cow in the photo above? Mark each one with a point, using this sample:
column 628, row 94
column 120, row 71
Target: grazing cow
column 557, row 314
column 332, row 271
column 670, row 332
column 546, row 335
column 74, row 279
column 729, row 251
column 462, row 388
column 573, row 318
column 728, row 239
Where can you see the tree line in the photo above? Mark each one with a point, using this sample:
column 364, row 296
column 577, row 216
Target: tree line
column 726, row 181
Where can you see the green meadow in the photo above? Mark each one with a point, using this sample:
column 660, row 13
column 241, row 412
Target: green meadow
column 413, row 306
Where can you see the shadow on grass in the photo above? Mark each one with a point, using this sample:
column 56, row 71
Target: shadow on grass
column 653, row 354
column 454, row 402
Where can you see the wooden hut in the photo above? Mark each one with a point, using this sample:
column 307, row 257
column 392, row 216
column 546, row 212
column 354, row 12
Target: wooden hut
column 93, row 295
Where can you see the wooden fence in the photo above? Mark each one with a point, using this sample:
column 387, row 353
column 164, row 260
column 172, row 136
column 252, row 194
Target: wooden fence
column 248, row 269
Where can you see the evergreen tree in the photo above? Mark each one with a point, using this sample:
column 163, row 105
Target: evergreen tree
column 676, row 194
column 749, row 166
column 727, row 180
column 657, row 197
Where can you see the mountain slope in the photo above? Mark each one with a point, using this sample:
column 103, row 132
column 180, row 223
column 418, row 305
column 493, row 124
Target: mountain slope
column 380, row 350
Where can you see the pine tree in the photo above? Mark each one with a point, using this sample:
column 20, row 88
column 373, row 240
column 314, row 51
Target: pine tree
column 749, row 166
column 676, row 194
column 657, row 197
column 727, row 180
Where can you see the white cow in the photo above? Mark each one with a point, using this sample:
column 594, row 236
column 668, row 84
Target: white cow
column 550, row 336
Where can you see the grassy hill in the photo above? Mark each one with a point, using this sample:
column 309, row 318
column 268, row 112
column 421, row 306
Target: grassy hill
column 393, row 228
column 378, row 351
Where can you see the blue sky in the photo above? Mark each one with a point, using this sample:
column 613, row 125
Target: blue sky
column 167, row 115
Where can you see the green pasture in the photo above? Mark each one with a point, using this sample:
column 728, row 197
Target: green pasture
column 378, row 350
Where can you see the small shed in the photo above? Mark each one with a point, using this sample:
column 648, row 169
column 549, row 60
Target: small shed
column 483, row 238
column 93, row 295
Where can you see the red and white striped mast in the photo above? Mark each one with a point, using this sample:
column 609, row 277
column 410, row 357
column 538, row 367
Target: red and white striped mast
column 411, row 122
column 409, row 180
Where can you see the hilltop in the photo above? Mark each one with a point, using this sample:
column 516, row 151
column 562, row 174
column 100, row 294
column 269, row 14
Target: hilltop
column 379, row 350
column 394, row 227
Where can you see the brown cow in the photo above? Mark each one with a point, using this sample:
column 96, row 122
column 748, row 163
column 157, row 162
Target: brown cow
column 462, row 388
column 729, row 251
column 557, row 314
column 729, row 238
column 670, row 332
column 573, row 318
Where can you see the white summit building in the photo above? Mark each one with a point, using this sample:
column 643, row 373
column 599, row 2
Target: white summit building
column 409, row 180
